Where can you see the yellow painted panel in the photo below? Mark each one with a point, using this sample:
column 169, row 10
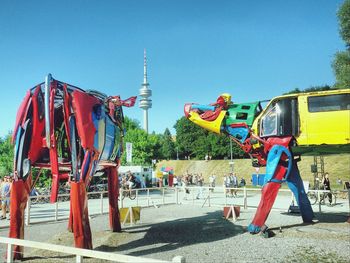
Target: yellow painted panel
column 124, row 212
column 328, row 127
column 213, row 126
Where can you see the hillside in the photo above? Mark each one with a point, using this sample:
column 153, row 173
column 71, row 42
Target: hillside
column 338, row 166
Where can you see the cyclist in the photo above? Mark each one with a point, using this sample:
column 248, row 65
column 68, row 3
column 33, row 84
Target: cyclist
column 130, row 181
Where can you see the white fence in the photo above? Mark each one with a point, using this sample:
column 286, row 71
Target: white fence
column 78, row 252
column 147, row 197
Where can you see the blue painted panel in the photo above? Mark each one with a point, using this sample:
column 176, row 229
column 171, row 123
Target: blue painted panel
column 109, row 139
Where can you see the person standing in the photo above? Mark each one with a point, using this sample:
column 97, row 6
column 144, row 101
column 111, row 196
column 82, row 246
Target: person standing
column 212, row 182
column 184, row 183
column 5, row 193
column 200, row 181
column 327, row 186
column 234, row 184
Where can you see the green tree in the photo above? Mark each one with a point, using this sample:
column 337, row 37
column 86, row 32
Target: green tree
column 130, row 124
column 6, row 155
column 341, row 67
column 311, row 89
column 344, row 22
column 167, row 145
column 145, row 147
column 341, row 63
column 196, row 142
column 190, row 138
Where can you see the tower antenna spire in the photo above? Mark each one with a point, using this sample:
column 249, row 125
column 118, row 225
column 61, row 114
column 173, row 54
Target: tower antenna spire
column 145, row 94
column 144, row 67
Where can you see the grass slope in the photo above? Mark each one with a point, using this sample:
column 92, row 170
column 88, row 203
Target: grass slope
column 338, row 166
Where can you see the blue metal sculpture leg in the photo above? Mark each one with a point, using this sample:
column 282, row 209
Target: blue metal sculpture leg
column 296, row 185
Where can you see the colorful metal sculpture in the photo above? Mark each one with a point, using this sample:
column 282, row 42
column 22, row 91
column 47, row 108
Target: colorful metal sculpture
column 274, row 152
column 73, row 133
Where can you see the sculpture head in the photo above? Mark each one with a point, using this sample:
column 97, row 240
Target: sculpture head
column 223, row 116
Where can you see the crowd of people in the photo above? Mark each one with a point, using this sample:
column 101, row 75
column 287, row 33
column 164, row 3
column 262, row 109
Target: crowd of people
column 229, row 181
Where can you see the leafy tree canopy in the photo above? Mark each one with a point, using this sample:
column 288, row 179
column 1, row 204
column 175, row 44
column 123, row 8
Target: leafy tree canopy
column 145, row 147
column 344, row 22
column 6, row 155
column 196, row 142
column 167, row 145
column 311, row 89
column 341, row 63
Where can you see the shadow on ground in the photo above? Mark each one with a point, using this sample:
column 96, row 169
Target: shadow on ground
column 325, row 217
column 171, row 235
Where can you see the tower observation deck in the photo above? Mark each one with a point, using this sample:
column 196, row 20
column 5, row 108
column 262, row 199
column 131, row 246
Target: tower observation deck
column 145, row 94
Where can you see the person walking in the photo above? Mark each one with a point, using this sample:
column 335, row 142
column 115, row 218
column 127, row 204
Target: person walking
column 327, row 186
column 5, row 193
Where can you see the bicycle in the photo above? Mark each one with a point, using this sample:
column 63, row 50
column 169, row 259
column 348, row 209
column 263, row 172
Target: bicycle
column 128, row 193
column 313, row 198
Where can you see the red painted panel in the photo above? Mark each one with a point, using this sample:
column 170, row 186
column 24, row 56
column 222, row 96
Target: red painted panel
column 80, row 216
column 38, row 129
column 53, row 148
column 113, row 191
column 66, row 111
column 83, row 105
column 20, row 114
column 268, row 197
column 19, row 197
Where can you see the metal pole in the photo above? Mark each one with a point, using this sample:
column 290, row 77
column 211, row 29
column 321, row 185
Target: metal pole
column 245, row 198
column 101, row 198
column 192, row 195
column 56, row 210
column 163, row 195
column 48, row 80
column 79, row 259
column 148, row 197
column 176, row 195
column 9, row 253
column 349, row 198
column 231, row 163
column 209, row 196
column 137, row 197
column 28, row 212
column 319, row 200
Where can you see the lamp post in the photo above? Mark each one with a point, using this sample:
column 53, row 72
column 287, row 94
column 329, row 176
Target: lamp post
column 231, row 162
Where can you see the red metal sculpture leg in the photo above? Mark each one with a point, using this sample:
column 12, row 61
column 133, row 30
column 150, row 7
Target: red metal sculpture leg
column 268, row 197
column 81, row 224
column 19, row 197
column 70, row 220
column 113, row 191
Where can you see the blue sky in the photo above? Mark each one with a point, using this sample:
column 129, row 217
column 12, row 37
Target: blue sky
column 196, row 50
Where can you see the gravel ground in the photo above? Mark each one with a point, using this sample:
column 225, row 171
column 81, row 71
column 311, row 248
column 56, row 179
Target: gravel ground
column 203, row 235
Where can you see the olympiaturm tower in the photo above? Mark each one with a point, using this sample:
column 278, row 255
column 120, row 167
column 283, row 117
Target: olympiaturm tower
column 145, row 93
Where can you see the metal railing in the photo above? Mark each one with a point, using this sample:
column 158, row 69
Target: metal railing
column 147, row 197
column 78, row 252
